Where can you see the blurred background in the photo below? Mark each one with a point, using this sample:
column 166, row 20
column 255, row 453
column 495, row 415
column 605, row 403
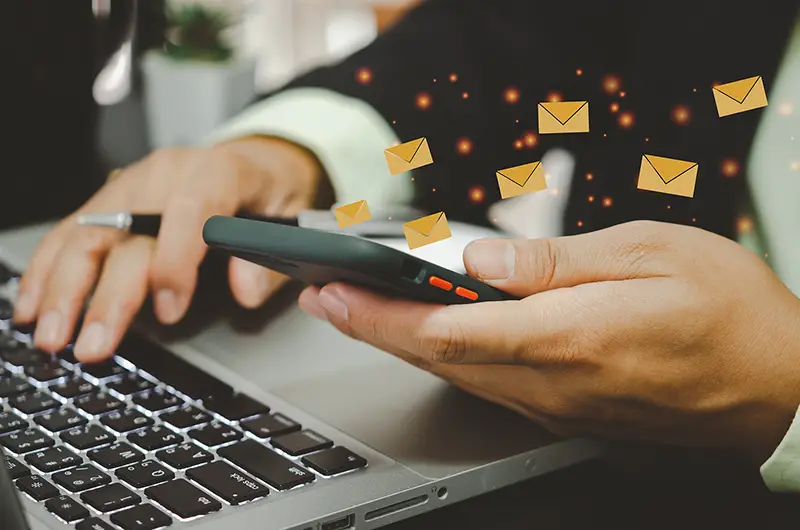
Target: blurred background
column 227, row 51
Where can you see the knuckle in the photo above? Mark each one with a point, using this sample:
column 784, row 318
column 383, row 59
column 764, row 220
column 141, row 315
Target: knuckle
column 545, row 263
column 443, row 342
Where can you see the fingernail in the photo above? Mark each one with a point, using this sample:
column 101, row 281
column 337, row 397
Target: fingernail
column 24, row 307
column 168, row 306
column 91, row 341
column 48, row 328
column 333, row 304
column 492, row 259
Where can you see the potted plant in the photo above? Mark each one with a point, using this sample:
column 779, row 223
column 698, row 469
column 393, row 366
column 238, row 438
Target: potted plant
column 197, row 80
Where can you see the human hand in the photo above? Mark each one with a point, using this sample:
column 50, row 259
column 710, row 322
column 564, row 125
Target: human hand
column 187, row 186
column 644, row 331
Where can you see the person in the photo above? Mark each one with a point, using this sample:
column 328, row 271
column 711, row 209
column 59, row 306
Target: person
column 636, row 320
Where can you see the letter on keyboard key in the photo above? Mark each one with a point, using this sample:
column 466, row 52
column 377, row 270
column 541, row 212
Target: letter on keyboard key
column 110, row 498
column 334, row 461
column 232, row 485
column 183, row 499
column 115, row 455
column 81, row 478
column 145, row 474
column 53, row 459
column 15, row 469
column 142, row 517
column 37, row 487
column 93, row 523
column 66, row 508
column 266, row 465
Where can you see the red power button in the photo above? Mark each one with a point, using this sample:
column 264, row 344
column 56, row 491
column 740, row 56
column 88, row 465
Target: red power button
column 466, row 293
column 440, row 283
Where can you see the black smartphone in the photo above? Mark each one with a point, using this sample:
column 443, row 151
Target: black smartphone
column 318, row 257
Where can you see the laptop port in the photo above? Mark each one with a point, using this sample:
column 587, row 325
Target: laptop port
column 339, row 524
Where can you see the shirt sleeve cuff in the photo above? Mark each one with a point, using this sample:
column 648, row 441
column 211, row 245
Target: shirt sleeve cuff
column 347, row 135
column 782, row 471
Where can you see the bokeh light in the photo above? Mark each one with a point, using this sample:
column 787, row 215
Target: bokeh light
column 518, row 144
column 511, row 95
column 589, row 176
column 626, row 120
column 423, row 101
column 477, row 194
column 744, row 224
column 453, row 78
column 681, row 114
column 554, row 96
column 579, row 71
column 580, row 224
column 464, row 95
column 786, row 108
column 729, row 167
column 464, row 146
column 591, row 198
column 614, row 107
column 611, row 84
column 607, row 202
column 622, row 94
column 530, row 139
column 364, row 76
column 795, row 166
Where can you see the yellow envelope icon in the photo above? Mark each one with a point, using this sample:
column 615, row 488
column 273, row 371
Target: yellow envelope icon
column 740, row 96
column 408, row 156
column 426, row 230
column 352, row 214
column 563, row 117
column 519, row 180
column 668, row 175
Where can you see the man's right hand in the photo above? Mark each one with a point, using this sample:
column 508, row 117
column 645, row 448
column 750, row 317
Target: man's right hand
column 187, row 186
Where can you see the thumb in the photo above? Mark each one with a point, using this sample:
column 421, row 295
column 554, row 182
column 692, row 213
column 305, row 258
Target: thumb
column 252, row 284
column 523, row 267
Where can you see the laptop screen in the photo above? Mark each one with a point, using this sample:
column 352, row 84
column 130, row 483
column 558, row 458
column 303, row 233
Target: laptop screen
column 11, row 515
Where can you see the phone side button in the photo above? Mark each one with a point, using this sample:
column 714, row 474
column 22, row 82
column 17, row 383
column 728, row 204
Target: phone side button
column 440, row 283
column 466, row 293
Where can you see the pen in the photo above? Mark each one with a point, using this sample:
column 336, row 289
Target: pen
column 150, row 224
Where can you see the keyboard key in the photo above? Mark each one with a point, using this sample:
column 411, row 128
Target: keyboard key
column 25, row 356
column 154, row 438
column 87, row 437
column 215, row 434
column 184, row 455
column 93, row 523
column 15, row 469
column 115, row 455
column 126, row 420
column 34, row 402
column 66, row 508
column 157, row 400
column 266, row 465
column 73, row 387
column 141, row 517
column 145, row 474
column 232, row 485
column 81, row 478
column 235, row 406
column 270, row 425
column 11, row 386
column 26, row 441
column 49, row 371
column 53, row 459
column 99, row 403
column 60, row 419
column 37, row 487
column 110, row 498
column 186, row 417
column 103, row 370
column 130, row 384
column 10, row 422
column 334, row 461
column 183, row 499
column 300, row 443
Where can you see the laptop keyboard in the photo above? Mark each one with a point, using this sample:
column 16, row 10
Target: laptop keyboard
column 144, row 439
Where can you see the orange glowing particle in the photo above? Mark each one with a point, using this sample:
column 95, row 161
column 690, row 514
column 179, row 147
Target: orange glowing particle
column 611, row 84
column 580, row 224
column 554, row 97
column 412, row 179
column 626, row 120
column 464, row 146
column 476, row 194
column 364, row 75
column 681, row 114
column 614, row 107
column 578, row 72
column 591, row 198
column 516, row 121
column 607, row 202
column 669, row 207
column 464, row 95
column 647, row 139
column 589, row 176
column 518, row 144
column 423, row 101
column 604, row 135
column 434, row 79
column 729, row 167
column 694, row 220
column 530, row 139
column 694, row 90
column 511, row 95
column 744, row 225
column 453, row 78
column 786, row 108
column 622, row 94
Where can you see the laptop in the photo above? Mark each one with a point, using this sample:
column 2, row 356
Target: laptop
column 285, row 426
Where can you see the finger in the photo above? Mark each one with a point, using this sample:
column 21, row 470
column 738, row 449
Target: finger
column 252, row 284
column 119, row 295
column 70, row 281
column 526, row 266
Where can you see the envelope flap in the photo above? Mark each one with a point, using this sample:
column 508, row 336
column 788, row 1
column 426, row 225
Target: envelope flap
column 408, row 150
column 563, row 110
column 668, row 168
column 519, row 174
column 425, row 225
column 738, row 90
column 352, row 209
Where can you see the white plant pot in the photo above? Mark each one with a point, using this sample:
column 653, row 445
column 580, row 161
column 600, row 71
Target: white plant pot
column 186, row 100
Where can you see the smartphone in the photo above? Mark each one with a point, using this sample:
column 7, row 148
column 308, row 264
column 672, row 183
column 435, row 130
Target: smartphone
column 318, row 257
